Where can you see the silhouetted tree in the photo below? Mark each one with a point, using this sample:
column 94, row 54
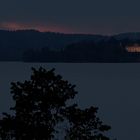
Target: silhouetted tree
column 85, row 125
column 41, row 104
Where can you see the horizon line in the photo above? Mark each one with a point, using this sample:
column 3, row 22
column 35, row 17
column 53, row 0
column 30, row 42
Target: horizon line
column 66, row 33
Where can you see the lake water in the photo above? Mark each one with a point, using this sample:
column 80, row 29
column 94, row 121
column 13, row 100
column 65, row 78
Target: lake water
column 114, row 88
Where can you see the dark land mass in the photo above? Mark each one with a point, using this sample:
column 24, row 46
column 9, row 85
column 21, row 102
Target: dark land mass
column 35, row 46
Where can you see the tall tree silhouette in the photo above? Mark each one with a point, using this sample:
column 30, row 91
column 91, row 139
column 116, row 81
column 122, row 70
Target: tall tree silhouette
column 41, row 103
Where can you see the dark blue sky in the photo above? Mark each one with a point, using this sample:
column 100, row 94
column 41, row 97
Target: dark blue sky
column 81, row 16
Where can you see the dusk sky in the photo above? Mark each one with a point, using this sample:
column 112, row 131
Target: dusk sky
column 71, row 16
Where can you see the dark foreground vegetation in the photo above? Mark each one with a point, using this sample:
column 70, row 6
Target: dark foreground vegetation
column 42, row 106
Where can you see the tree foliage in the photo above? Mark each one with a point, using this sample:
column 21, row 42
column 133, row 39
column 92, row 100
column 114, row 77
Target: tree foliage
column 41, row 103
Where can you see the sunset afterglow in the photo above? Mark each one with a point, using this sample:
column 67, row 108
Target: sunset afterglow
column 39, row 26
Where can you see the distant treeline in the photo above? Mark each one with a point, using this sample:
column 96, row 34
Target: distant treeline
column 34, row 46
column 13, row 44
column 110, row 50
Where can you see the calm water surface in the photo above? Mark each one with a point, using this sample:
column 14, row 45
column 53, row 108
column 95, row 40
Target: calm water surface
column 114, row 88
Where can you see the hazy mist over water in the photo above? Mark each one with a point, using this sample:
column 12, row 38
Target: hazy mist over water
column 114, row 88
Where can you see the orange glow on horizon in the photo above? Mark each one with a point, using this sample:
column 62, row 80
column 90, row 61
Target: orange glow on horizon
column 40, row 27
